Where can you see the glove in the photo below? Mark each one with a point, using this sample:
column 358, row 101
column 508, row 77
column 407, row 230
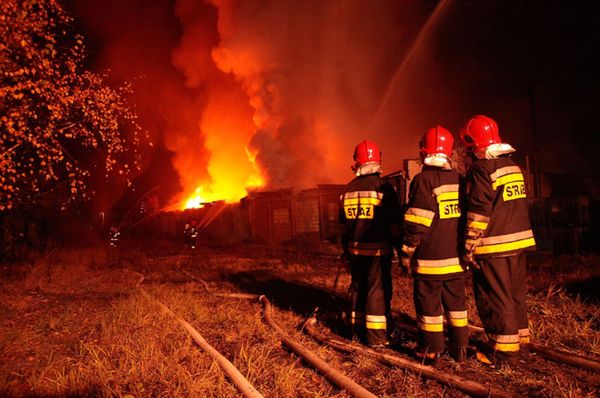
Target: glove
column 469, row 256
column 469, row 261
column 405, row 259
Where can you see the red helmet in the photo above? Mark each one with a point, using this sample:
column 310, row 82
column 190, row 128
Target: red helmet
column 366, row 152
column 480, row 132
column 437, row 140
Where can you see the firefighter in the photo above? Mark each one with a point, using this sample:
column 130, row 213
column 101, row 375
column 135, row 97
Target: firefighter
column 370, row 217
column 497, row 234
column 113, row 236
column 430, row 250
column 190, row 233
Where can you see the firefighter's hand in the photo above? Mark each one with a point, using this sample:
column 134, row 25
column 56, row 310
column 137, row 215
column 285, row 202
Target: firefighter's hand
column 470, row 262
column 405, row 258
column 405, row 265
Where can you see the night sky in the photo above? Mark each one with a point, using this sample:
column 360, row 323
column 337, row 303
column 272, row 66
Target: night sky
column 319, row 73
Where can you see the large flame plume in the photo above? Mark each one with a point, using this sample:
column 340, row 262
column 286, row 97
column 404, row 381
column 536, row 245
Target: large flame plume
column 250, row 93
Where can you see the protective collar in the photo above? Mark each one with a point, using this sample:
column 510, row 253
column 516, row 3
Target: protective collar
column 368, row 168
column 437, row 160
column 494, row 150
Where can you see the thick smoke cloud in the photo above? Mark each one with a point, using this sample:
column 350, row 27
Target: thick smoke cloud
column 277, row 93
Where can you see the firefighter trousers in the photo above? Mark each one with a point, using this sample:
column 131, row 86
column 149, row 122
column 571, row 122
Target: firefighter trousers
column 370, row 296
column 432, row 299
column 500, row 289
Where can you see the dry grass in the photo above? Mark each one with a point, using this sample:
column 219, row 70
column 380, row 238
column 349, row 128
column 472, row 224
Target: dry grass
column 69, row 325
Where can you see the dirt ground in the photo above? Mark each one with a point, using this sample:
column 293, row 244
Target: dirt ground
column 75, row 323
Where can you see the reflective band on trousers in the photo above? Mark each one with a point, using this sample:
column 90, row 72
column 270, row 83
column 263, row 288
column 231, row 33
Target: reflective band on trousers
column 439, row 267
column 419, row 216
column 431, row 323
column 376, row 322
column 505, row 342
column 458, row 318
column 524, row 336
column 357, row 317
column 505, row 243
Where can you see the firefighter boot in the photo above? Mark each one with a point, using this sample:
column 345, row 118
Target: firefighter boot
column 459, row 354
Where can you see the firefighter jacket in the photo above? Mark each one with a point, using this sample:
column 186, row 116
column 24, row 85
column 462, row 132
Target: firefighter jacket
column 370, row 217
column 497, row 214
column 431, row 224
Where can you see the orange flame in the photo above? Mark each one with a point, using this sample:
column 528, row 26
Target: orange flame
column 227, row 126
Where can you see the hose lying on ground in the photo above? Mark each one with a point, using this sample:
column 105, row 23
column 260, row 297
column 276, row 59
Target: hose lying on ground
column 467, row 386
column 336, row 377
column 242, row 384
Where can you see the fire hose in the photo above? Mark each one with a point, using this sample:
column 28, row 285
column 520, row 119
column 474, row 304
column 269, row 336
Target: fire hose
column 242, row 384
column 467, row 386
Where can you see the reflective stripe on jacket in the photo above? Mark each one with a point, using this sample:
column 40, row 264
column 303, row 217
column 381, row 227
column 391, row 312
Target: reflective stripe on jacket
column 498, row 215
column 431, row 224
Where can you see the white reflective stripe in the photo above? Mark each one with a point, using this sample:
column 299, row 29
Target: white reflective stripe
column 438, row 263
column 421, row 213
column 431, row 319
column 504, row 338
column 504, row 171
column 376, row 318
column 524, row 332
column 457, row 314
column 376, row 322
column 492, row 240
column 477, row 217
column 445, row 188
column 363, row 194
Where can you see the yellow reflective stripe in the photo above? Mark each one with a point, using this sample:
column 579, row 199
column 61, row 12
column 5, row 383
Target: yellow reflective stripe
column 505, row 247
column 439, row 270
column 376, row 322
column 370, row 252
column 458, row 323
column 524, row 340
column 506, row 179
column 447, row 196
column 458, row 318
column 507, row 347
column 431, row 323
column 418, row 219
column 362, row 201
column 477, row 225
column 439, row 267
column 428, row 327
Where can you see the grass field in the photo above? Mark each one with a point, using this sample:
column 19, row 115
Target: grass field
column 74, row 323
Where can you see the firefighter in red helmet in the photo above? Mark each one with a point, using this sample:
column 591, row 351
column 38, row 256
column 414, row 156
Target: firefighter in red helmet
column 497, row 234
column 370, row 217
column 430, row 250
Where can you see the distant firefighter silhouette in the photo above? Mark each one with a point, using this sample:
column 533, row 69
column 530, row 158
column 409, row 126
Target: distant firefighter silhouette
column 190, row 234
